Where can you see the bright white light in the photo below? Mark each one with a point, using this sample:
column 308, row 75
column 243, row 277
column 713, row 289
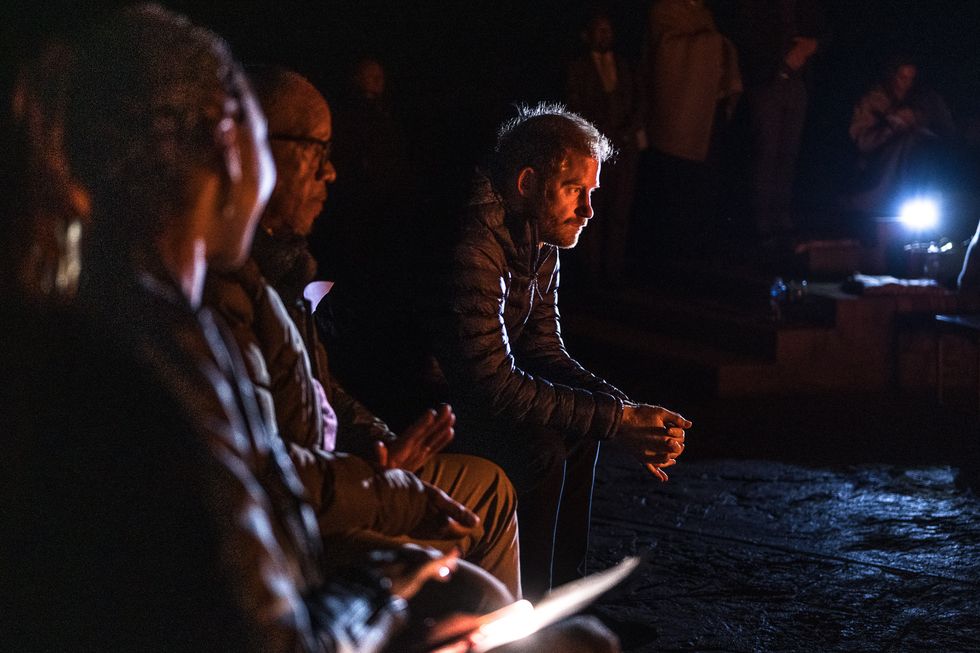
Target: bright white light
column 920, row 214
column 509, row 624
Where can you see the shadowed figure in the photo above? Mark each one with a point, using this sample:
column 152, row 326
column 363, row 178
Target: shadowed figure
column 601, row 87
column 901, row 130
column 776, row 40
column 375, row 178
column 690, row 83
column 521, row 399
column 272, row 321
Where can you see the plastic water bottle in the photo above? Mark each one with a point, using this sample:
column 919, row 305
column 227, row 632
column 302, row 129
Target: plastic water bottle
column 777, row 297
column 797, row 291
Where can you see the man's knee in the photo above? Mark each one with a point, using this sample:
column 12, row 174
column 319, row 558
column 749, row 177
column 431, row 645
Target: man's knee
column 471, row 480
column 470, row 590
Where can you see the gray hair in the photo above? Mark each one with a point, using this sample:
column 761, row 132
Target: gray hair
column 540, row 137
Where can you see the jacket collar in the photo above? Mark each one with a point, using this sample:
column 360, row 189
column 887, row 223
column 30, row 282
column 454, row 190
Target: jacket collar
column 522, row 244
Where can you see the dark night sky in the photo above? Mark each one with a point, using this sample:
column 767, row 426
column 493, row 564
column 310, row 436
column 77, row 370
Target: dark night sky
column 454, row 67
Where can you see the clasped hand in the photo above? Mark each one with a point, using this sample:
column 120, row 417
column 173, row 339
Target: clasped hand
column 654, row 435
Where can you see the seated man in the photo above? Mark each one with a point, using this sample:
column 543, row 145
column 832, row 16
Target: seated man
column 290, row 388
column 163, row 133
column 901, row 130
column 522, row 401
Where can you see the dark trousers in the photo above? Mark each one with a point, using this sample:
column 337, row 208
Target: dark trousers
column 777, row 111
column 554, row 499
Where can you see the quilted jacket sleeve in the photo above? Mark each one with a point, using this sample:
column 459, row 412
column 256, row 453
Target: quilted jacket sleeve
column 266, row 552
column 480, row 362
column 542, row 349
column 275, row 354
column 341, row 615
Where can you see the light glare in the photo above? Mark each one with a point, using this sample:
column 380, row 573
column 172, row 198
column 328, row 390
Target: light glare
column 920, row 214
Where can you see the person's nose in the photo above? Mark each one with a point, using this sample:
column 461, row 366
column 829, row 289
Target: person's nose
column 585, row 206
column 327, row 173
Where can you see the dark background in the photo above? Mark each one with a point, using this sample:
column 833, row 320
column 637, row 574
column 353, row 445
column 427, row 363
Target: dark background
column 455, row 67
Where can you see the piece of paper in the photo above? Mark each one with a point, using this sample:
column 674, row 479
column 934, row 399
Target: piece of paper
column 519, row 620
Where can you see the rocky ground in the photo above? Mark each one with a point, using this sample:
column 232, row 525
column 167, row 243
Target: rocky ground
column 792, row 523
column 750, row 555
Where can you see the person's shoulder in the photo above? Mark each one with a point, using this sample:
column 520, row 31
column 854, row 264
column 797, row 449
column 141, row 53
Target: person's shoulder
column 482, row 235
column 484, row 214
column 231, row 296
column 237, row 295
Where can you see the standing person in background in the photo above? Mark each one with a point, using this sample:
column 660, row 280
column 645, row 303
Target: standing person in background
column 690, row 86
column 601, row 87
column 374, row 178
column 776, row 40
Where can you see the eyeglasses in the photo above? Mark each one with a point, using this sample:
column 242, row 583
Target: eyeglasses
column 324, row 146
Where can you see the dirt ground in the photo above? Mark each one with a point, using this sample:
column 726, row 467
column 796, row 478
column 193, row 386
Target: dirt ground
column 752, row 555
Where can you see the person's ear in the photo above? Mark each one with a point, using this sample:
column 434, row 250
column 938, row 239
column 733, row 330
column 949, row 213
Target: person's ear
column 226, row 135
column 527, row 182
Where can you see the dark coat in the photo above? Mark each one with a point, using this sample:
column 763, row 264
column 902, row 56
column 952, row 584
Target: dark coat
column 283, row 354
column 499, row 341
column 103, row 523
column 265, row 522
column 615, row 114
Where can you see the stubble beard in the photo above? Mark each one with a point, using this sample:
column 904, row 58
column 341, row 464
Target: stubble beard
column 553, row 230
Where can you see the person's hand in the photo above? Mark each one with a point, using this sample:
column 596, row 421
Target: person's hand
column 410, row 506
column 905, row 117
column 410, row 566
column 580, row 634
column 654, row 435
column 452, row 634
column 803, row 48
column 417, row 444
column 446, row 517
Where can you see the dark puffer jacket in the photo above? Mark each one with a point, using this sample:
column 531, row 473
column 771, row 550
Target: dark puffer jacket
column 284, row 361
column 264, row 522
column 501, row 346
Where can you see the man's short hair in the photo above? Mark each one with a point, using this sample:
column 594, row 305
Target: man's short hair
column 541, row 137
column 148, row 91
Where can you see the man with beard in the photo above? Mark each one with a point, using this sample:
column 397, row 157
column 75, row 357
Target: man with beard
column 522, row 400
column 289, row 365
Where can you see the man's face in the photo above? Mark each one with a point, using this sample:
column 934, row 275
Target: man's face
column 563, row 203
column 904, row 80
column 304, row 171
column 370, row 79
column 600, row 35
